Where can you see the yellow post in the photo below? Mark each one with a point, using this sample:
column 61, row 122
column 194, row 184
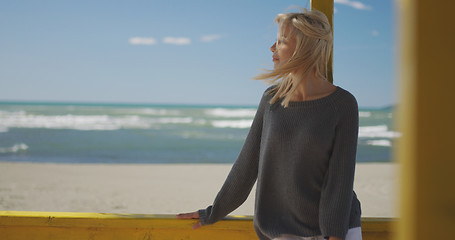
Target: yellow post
column 326, row 6
column 427, row 116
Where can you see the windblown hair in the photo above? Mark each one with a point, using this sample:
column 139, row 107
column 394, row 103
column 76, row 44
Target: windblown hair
column 314, row 41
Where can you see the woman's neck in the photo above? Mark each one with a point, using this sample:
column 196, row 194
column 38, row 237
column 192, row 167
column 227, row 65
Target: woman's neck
column 311, row 88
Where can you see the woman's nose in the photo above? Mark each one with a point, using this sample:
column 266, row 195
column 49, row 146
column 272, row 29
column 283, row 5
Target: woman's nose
column 273, row 47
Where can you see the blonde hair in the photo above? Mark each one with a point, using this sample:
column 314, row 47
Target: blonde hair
column 314, row 41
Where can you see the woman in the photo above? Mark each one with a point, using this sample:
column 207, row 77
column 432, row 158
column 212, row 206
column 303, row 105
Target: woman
column 301, row 147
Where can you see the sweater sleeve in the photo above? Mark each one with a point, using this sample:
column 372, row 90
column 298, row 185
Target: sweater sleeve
column 337, row 189
column 242, row 176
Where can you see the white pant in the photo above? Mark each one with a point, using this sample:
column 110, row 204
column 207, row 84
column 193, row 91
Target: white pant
column 353, row 234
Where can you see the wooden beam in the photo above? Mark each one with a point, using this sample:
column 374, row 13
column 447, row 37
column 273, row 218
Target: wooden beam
column 101, row 226
column 326, row 6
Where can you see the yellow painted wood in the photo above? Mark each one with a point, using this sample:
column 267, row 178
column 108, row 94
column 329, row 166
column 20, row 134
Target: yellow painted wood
column 42, row 225
column 378, row 228
column 58, row 225
column 427, row 116
column 326, row 6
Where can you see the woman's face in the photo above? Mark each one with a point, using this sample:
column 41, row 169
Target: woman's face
column 283, row 48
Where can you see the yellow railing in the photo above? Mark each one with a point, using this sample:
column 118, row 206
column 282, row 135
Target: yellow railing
column 60, row 225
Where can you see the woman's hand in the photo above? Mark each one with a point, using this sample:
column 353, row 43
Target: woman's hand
column 334, row 238
column 192, row 215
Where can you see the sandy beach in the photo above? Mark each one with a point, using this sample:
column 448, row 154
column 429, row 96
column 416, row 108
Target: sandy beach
column 156, row 188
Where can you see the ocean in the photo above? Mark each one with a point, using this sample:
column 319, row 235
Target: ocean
column 128, row 133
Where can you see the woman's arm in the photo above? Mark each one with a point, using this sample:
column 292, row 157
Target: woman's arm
column 241, row 178
column 337, row 190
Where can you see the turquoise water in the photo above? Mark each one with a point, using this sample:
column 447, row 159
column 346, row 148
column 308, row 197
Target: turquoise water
column 116, row 133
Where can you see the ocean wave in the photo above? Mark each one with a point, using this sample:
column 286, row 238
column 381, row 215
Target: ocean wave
column 149, row 111
column 174, row 120
column 231, row 113
column 245, row 123
column 15, row 113
column 364, row 114
column 380, row 131
column 15, row 148
column 87, row 122
column 380, row 142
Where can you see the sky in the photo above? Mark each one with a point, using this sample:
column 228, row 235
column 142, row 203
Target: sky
column 178, row 51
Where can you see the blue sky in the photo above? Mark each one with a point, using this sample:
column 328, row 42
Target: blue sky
column 178, row 51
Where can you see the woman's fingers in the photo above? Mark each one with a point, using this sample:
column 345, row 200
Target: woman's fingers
column 191, row 215
column 197, row 225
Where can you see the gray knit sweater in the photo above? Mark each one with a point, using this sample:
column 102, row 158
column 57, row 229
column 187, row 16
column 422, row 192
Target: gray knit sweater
column 303, row 158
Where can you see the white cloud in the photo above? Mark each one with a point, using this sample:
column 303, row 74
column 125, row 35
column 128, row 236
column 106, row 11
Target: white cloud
column 355, row 4
column 211, row 37
column 177, row 40
column 375, row 33
column 142, row 41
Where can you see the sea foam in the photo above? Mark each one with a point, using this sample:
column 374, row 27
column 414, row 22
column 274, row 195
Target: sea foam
column 148, row 111
column 231, row 113
column 380, row 142
column 15, row 148
column 380, row 131
column 245, row 123
column 365, row 114
column 86, row 122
